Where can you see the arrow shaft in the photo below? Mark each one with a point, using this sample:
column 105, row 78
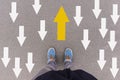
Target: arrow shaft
column 13, row 7
column 30, row 57
column 115, row 9
column 21, row 31
column 42, row 25
column 17, row 63
column 6, row 50
column 101, row 55
column 103, row 23
column 97, row 4
column 36, row 2
column 61, row 31
column 85, row 34
column 114, row 63
column 112, row 35
column 78, row 11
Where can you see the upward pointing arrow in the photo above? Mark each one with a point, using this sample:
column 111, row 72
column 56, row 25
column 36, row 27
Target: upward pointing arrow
column 30, row 63
column 103, row 29
column 114, row 70
column 5, row 58
column 78, row 18
column 36, row 6
column 115, row 15
column 97, row 9
column 61, row 19
column 101, row 60
column 42, row 31
column 21, row 38
column 17, row 68
column 112, row 43
column 13, row 13
column 85, row 40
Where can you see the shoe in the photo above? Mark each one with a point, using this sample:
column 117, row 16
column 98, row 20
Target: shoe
column 68, row 55
column 51, row 54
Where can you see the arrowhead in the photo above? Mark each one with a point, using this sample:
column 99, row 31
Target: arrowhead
column 114, row 72
column 29, row 67
column 21, row 40
column 61, row 16
column 36, row 8
column 97, row 12
column 78, row 20
column 115, row 18
column 103, row 32
column 85, row 43
column 112, row 44
column 13, row 16
column 5, row 61
column 42, row 34
column 101, row 64
column 17, row 72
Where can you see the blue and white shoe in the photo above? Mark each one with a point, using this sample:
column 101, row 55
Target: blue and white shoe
column 51, row 54
column 68, row 55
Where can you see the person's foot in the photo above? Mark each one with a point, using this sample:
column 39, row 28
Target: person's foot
column 51, row 54
column 68, row 55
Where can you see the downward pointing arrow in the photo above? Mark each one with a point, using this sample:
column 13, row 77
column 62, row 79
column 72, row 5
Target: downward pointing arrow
column 13, row 13
column 103, row 29
column 5, row 58
column 17, row 68
column 30, row 64
column 85, row 40
column 21, row 38
column 36, row 6
column 97, row 9
column 42, row 31
column 78, row 17
column 101, row 60
column 114, row 70
column 115, row 15
column 112, row 43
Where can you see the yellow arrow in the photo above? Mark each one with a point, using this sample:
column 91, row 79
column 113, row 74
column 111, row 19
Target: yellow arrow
column 61, row 19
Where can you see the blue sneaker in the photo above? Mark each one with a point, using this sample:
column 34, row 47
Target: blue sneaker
column 51, row 55
column 68, row 55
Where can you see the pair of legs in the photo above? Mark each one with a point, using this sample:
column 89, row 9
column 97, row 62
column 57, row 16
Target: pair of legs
column 52, row 58
column 51, row 63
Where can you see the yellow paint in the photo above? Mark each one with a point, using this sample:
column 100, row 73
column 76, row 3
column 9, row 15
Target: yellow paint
column 61, row 19
column 61, row 31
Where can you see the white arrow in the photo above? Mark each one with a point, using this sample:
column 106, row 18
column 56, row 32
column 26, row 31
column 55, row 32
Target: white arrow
column 114, row 70
column 17, row 70
column 13, row 14
column 101, row 60
column 5, row 58
column 21, row 38
column 103, row 29
column 115, row 15
column 78, row 17
column 30, row 63
column 42, row 31
column 85, row 40
column 97, row 9
column 112, row 43
column 36, row 6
